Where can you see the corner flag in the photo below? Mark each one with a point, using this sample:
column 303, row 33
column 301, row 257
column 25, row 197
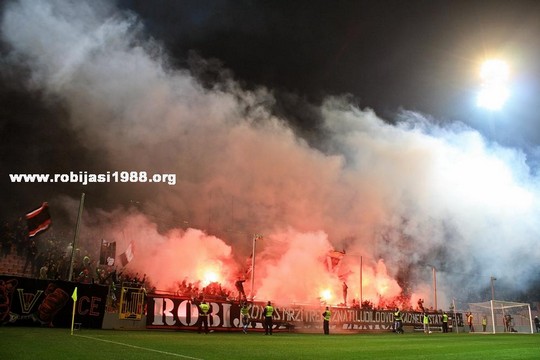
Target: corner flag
column 74, row 297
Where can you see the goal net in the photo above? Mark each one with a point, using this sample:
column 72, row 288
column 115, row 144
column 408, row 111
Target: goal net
column 497, row 316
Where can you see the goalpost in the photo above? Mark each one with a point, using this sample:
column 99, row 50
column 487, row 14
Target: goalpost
column 502, row 316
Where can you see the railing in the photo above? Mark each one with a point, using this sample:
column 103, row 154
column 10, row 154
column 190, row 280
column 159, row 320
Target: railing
column 132, row 303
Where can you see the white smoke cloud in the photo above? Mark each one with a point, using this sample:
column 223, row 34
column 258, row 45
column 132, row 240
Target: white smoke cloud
column 414, row 194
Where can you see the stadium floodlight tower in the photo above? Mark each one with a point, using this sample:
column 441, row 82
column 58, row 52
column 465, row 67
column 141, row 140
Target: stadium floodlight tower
column 494, row 91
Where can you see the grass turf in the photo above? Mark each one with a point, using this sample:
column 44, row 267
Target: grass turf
column 41, row 343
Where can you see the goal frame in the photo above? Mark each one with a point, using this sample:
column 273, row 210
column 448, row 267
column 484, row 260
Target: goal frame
column 497, row 309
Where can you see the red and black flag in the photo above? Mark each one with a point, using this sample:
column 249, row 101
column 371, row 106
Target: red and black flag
column 38, row 220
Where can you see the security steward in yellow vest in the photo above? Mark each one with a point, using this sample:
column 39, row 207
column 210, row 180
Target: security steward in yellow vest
column 444, row 322
column 268, row 315
column 326, row 321
column 204, row 311
column 398, row 322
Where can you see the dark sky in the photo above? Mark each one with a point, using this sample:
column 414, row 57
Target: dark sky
column 416, row 55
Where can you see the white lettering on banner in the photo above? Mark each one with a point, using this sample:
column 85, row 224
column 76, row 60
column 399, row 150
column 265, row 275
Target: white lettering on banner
column 181, row 312
column 366, row 316
column 410, row 318
column 256, row 311
column 194, row 313
column 340, row 316
column 167, row 312
column 226, row 314
column 292, row 314
column 161, row 312
column 158, row 311
column 313, row 315
column 184, row 308
column 275, row 314
column 214, row 315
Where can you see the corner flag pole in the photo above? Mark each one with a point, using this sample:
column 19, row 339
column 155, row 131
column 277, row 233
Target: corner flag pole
column 74, row 297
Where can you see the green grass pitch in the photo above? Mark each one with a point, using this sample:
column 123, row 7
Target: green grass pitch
column 41, row 343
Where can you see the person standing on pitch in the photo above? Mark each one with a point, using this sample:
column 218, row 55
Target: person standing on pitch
column 326, row 321
column 484, row 323
column 244, row 312
column 268, row 316
column 470, row 319
column 425, row 321
column 537, row 324
column 204, row 311
column 398, row 322
column 444, row 322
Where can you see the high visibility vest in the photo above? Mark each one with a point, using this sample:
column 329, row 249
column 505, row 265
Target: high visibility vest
column 426, row 319
column 244, row 311
column 444, row 318
column 268, row 310
column 204, row 308
column 397, row 316
column 484, row 321
column 327, row 314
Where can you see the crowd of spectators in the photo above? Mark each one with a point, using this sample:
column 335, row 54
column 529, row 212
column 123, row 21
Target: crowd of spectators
column 49, row 258
column 13, row 236
column 46, row 257
column 42, row 259
column 212, row 291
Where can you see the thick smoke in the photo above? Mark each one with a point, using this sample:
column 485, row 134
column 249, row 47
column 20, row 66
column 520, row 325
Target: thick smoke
column 407, row 198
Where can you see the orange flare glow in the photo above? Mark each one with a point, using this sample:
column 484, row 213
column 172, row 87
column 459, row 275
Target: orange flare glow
column 326, row 295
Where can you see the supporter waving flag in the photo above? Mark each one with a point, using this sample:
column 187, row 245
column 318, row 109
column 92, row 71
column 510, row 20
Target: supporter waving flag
column 127, row 256
column 38, row 220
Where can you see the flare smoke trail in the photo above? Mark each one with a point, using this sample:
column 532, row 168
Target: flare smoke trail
column 406, row 197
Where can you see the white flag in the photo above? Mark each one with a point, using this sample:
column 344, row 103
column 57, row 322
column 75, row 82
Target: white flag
column 127, row 256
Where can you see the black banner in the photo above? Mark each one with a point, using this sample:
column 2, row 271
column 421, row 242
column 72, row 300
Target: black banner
column 34, row 302
column 173, row 312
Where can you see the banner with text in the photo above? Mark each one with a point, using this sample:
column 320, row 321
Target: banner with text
column 175, row 313
column 35, row 302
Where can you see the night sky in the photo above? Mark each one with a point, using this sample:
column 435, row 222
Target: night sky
column 389, row 55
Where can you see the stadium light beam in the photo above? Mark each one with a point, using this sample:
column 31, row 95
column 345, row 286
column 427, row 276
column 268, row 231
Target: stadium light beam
column 494, row 91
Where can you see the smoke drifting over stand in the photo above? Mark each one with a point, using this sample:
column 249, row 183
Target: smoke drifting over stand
column 406, row 197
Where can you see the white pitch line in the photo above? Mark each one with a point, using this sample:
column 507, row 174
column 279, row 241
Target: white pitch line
column 140, row 347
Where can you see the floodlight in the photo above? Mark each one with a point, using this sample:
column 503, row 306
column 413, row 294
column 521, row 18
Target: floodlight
column 494, row 90
column 494, row 71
